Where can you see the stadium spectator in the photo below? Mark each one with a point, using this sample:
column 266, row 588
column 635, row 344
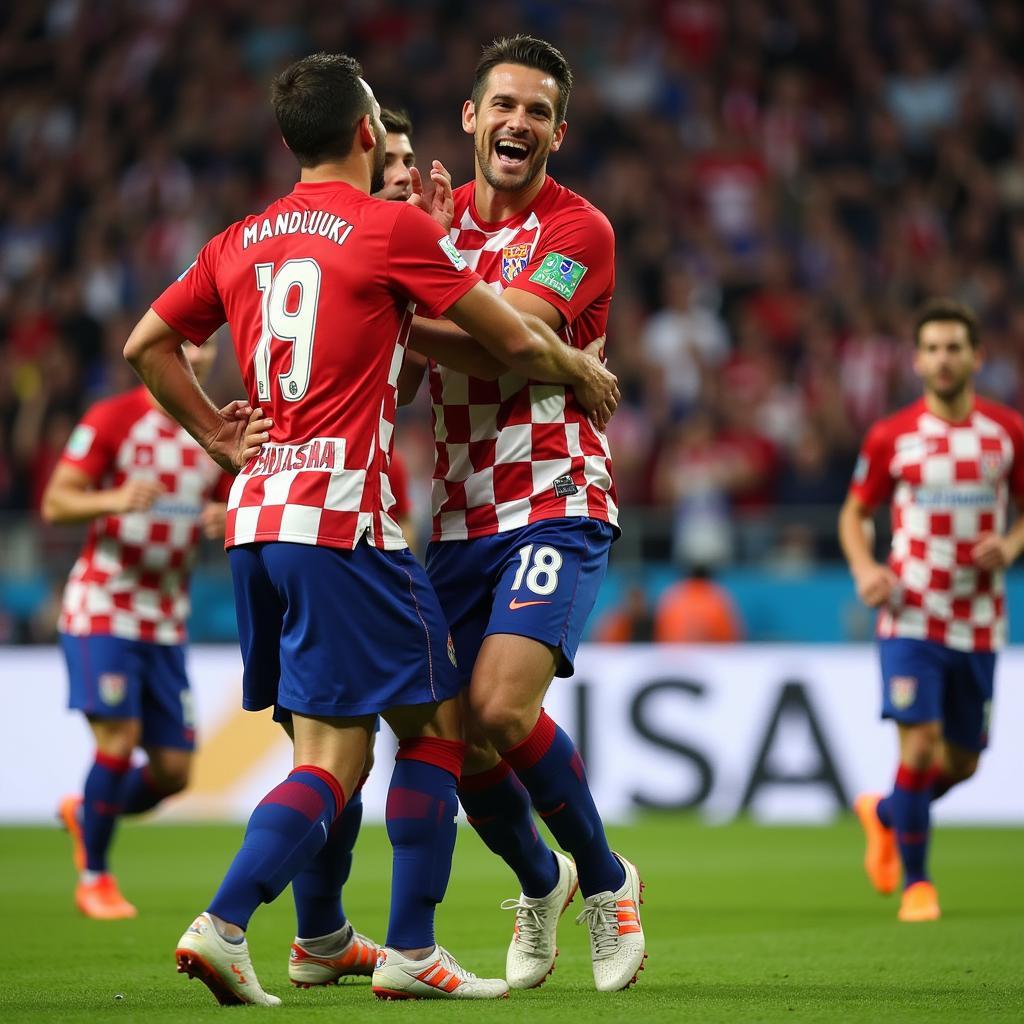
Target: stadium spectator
column 631, row 622
column 146, row 488
column 697, row 610
column 948, row 464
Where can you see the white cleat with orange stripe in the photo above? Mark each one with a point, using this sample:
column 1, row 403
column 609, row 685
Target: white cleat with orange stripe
column 532, row 951
column 356, row 957
column 438, row 976
column 617, row 946
column 223, row 967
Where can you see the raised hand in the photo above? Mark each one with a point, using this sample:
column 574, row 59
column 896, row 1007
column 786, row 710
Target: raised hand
column 442, row 205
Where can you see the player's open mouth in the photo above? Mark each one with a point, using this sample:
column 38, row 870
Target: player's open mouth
column 511, row 153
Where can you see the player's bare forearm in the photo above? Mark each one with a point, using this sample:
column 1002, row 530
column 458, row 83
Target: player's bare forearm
column 154, row 351
column 65, row 506
column 855, row 529
column 449, row 345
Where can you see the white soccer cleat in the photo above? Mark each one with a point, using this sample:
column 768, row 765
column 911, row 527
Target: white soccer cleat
column 357, row 956
column 532, row 951
column 439, row 976
column 617, row 946
column 222, row 966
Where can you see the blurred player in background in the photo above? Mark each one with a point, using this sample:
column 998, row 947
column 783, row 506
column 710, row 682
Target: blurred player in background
column 948, row 464
column 524, row 517
column 337, row 621
column 148, row 491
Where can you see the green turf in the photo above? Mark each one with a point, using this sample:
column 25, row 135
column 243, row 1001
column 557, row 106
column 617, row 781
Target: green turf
column 743, row 924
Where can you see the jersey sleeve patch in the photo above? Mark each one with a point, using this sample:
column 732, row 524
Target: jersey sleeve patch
column 449, row 249
column 559, row 273
column 80, row 442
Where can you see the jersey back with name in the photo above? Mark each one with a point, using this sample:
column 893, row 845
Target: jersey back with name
column 317, row 291
column 510, row 452
column 131, row 578
column 948, row 484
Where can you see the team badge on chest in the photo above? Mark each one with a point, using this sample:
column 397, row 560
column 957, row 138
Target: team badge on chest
column 513, row 260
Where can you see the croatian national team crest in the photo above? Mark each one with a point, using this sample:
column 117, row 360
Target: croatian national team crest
column 902, row 691
column 113, row 686
column 991, row 466
column 513, row 260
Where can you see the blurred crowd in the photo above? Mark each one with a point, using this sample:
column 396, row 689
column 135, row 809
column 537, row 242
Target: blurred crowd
column 787, row 180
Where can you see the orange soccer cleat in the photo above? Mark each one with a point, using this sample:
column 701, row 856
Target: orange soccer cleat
column 881, row 857
column 920, row 903
column 358, row 956
column 68, row 811
column 101, row 899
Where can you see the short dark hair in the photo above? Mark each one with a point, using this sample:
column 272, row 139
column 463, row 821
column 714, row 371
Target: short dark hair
column 318, row 101
column 942, row 309
column 396, row 122
column 530, row 52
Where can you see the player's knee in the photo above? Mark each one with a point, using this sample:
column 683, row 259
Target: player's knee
column 502, row 724
column 116, row 738
column 963, row 768
column 171, row 773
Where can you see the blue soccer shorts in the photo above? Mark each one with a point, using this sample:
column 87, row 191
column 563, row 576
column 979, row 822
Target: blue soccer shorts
column 114, row 678
column 924, row 681
column 540, row 581
column 338, row 633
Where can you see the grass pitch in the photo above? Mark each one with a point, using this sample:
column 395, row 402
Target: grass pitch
column 743, row 924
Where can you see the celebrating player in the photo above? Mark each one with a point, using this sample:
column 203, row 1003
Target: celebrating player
column 336, row 618
column 148, row 491
column 524, row 516
column 947, row 463
column 335, row 950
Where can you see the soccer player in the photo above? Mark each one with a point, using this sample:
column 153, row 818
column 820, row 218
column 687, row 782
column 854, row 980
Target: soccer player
column 327, row 948
column 399, row 157
column 947, row 463
column 524, row 516
column 148, row 490
column 337, row 620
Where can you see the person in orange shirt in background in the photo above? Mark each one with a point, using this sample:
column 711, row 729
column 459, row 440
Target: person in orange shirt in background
column 697, row 610
column 632, row 622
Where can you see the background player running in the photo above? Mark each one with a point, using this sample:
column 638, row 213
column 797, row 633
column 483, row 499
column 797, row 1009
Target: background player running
column 148, row 491
column 336, row 619
column 947, row 463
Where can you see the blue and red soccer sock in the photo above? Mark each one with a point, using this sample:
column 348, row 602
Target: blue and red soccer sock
column 101, row 807
column 285, row 831
column 907, row 810
column 421, row 821
column 317, row 888
column 498, row 807
column 551, row 769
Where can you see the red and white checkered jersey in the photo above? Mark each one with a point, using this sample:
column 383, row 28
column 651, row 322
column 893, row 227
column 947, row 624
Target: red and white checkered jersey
column 949, row 484
column 131, row 579
column 511, row 451
column 317, row 290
